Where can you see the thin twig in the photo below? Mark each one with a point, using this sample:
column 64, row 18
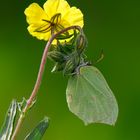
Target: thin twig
column 39, row 79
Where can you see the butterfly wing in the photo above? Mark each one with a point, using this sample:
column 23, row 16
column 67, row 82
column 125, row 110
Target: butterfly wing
column 90, row 98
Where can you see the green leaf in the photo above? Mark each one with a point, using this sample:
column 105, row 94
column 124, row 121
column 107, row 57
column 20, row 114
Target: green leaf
column 90, row 98
column 7, row 128
column 39, row 130
column 21, row 105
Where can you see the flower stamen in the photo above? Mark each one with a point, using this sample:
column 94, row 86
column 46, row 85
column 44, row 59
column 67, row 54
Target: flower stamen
column 45, row 30
column 56, row 19
column 54, row 25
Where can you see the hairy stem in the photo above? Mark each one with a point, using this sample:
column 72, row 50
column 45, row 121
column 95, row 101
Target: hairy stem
column 39, row 79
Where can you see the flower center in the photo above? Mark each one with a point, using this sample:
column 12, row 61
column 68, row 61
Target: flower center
column 52, row 25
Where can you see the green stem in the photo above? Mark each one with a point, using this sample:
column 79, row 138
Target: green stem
column 39, row 79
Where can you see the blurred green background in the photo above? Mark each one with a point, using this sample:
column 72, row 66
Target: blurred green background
column 113, row 26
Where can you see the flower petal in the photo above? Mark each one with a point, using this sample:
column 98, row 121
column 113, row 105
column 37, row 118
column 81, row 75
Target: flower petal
column 34, row 14
column 39, row 35
column 53, row 7
column 63, row 7
column 74, row 17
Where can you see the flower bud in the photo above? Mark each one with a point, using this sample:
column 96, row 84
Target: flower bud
column 56, row 56
column 69, row 67
column 58, row 67
column 81, row 43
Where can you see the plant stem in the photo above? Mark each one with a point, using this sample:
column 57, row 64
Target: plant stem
column 39, row 79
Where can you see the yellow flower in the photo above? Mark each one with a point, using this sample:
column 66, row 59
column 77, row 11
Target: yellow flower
column 53, row 17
